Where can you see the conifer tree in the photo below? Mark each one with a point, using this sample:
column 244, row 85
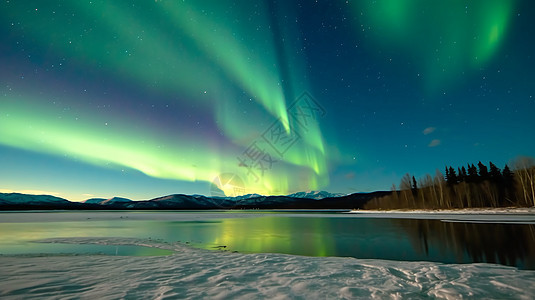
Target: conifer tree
column 477, row 186
column 508, row 176
column 463, row 174
column 451, row 176
column 472, row 174
column 494, row 172
column 509, row 184
column 483, row 171
column 496, row 181
column 461, row 177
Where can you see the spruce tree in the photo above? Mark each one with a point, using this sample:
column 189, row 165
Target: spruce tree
column 494, row 173
column 464, row 175
column 452, row 178
column 461, row 177
column 483, row 171
column 472, row 174
column 507, row 174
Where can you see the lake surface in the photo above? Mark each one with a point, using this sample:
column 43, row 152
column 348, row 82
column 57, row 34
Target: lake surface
column 310, row 234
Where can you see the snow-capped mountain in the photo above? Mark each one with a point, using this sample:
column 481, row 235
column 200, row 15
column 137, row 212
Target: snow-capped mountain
column 109, row 201
column 94, row 201
column 116, row 200
column 315, row 195
column 241, row 197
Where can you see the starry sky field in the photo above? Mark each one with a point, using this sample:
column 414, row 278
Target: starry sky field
column 141, row 99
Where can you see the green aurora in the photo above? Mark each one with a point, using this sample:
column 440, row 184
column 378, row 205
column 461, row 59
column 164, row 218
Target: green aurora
column 90, row 81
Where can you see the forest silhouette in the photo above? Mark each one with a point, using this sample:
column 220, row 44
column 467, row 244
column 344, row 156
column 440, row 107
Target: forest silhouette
column 468, row 186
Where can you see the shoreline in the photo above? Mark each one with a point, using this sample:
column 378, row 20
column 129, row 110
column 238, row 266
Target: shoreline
column 459, row 211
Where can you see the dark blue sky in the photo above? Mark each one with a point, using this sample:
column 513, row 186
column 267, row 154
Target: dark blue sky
column 141, row 99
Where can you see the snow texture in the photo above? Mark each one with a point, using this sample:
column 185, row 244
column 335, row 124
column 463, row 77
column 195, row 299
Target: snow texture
column 318, row 195
column 200, row 274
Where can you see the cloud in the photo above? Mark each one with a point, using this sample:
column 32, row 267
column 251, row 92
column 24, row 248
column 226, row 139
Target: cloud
column 350, row 175
column 434, row 143
column 429, row 130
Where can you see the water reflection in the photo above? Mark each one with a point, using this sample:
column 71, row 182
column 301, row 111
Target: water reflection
column 82, row 249
column 18, row 238
column 395, row 239
column 311, row 235
column 507, row 244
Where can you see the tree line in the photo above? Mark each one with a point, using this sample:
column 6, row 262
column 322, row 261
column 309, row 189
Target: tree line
column 473, row 185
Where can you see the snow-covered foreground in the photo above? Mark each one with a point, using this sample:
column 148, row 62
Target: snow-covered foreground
column 197, row 273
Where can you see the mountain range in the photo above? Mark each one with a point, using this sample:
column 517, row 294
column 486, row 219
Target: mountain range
column 301, row 200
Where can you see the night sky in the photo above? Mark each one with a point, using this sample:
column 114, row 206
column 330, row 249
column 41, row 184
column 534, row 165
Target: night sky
column 141, row 99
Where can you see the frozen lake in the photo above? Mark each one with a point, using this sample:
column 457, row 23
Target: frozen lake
column 300, row 233
column 384, row 255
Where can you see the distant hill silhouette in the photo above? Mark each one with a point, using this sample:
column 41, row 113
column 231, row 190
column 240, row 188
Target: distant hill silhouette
column 16, row 201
